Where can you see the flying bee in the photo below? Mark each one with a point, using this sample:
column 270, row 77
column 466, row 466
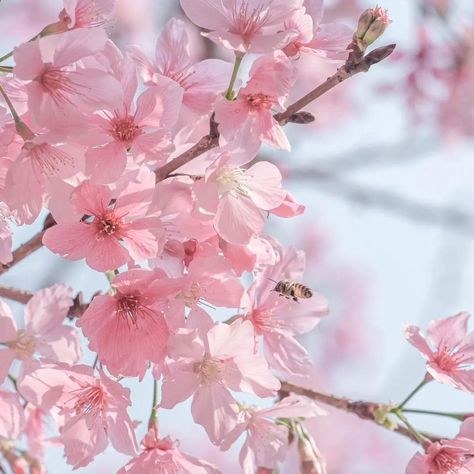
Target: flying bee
column 292, row 289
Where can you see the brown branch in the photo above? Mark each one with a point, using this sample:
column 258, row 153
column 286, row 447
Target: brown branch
column 364, row 410
column 206, row 143
column 349, row 69
column 15, row 294
column 346, row 71
column 211, row 140
column 21, row 296
column 24, row 250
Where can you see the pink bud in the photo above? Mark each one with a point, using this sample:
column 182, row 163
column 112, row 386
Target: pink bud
column 372, row 24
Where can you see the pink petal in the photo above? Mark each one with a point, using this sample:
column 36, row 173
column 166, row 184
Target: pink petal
column 12, row 418
column 214, row 408
column 8, row 329
column 172, row 48
column 285, row 353
column 413, row 336
column 448, row 332
column 71, row 240
column 265, row 185
column 238, row 219
column 208, row 14
column 107, row 163
column 47, row 309
column 178, row 386
column 77, row 44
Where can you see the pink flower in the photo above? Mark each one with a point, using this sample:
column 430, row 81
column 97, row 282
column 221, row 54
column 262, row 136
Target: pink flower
column 134, row 313
column 454, row 456
column 211, row 280
column 143, row 129
column 98, row 237
column 200, row 82
column 209, row 361
column 59, row 89
column 450, row 361
column 325, row 40
column 92, row 410
column 238, row 196
column 163, row 456
column 44, row 334
column 267, row 89
column 42, row 157
column 246, row 26
column 266, row 441
column 278, row 320
column 12, row 418
column 86, row 13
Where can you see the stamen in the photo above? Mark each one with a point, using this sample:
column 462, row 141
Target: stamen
column 49, row 159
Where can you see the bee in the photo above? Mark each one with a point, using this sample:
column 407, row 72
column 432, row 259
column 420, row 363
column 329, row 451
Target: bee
column 292, row 289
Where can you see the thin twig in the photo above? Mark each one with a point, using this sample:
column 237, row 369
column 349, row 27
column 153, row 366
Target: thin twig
column 21, row 296
column 364, row 410
column 24, row 250
column 211, row 140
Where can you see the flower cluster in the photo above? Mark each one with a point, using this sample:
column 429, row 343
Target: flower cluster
column 150, row 172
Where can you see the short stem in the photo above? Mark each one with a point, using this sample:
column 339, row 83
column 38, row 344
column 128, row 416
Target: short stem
column 14, row 113
column 6, row 56
column 6, row 69
column 419, row 437
column 230, row 90
column 456, row 416
column 412, row 393
column 154, row 414
column 12, row 380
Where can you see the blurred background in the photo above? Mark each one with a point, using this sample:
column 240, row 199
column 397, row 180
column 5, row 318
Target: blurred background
column 386, row 173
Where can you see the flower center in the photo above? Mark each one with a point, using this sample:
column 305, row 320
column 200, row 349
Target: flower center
column 58, row 84
column 260, row 101
column 192, row 295
column 124, row 129
column 446, row 360
column 263, row 320
column 211, row 370
column 128, row 308
column 246, row 22
column 448, row 463
column 24, row 345
column 48, row 158
column 90, row 401
column 232, row 180
column 108, row 224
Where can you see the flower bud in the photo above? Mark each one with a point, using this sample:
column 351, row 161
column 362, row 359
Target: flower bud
column 372, row 24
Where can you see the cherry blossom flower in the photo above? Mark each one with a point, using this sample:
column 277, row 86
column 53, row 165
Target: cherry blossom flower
column 325, row 40
column 237, row 197
column 207, row 362
column 278, row 320
column 142, row 130
column 163, row 455
column 97, row 238
column 58, row 89
column 133, row 316
column 450, row 361
column 266, row 441
column 267, row 89
column 453, row 456
column 246, row 26
column 210, row 280
column 44, row 334
column 41, row 158
column 86, row 13
column 93, row 410
column 12, row 417
column 200, row 82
